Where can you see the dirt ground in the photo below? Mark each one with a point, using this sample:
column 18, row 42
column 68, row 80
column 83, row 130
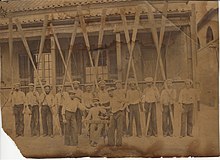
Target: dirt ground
column 204, row 143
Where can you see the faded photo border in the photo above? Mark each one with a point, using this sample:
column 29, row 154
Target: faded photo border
column 9, row 150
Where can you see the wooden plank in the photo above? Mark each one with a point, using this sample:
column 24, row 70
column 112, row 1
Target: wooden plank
column 131, row 44
column 61, row 53
column 155, row 38
column 53, row 59
column 73, row 36
column 162, row 30
column 11, row 48
column 20, row 30
column 100, row 39
column 43, row 37
column 193, row 30
column 118, row 52
column 86, row 38
column 92, row 28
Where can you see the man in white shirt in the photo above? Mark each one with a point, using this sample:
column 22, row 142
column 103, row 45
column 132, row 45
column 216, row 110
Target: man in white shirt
column 117, row 105
column 149, row 99
column 168, row 98
column 134, row 103
column 69, row 110
column 187, row 100
column 60, row 98
column 120, row 93
column 33, row 104
column 47, row 104
column 103, row 94
column 18, row 100
column 87, row 97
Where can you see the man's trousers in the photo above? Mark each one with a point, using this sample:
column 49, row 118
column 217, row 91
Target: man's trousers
column 167, row 122
column 71, row 129
column 150, row 110
column 61, row 119
column 186, row 120
column 134, row 114
column 35, row 125
column 116, row 125
column 19, row 119
column 47, row 120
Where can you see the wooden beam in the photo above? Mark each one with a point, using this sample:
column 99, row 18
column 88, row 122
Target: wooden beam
column 86, row 38
column 100, row 39
column 43, row 36
column 193, row 28
column 118, row 52
column 61, row 54
column 161, row 37
column 131, row 44
column 20, row 30
column 73, row 36
column 144, row 26
column 155, row 38
column 53, row 59
column 11, row 48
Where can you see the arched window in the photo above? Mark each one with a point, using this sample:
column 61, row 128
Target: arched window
column 209, row 35
column 198, row 43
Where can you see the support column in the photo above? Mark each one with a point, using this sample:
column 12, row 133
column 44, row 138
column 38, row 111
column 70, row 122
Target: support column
column 118, row 52
column 193, row 42
column 53, row 58
column 11, row 48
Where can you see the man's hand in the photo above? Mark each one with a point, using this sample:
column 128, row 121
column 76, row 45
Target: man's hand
column 64, row 120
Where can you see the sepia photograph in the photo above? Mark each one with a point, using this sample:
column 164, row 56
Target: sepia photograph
column 110, row 78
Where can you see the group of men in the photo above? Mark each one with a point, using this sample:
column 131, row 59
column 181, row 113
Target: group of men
column 103, row 112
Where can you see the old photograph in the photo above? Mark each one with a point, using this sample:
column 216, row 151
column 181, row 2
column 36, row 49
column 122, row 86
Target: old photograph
column 110, row 78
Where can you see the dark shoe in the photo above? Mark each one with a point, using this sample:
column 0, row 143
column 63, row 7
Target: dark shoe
column 190, row 135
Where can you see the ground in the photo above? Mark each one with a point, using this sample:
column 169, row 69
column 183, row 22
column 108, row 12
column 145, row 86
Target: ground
column 204, row 143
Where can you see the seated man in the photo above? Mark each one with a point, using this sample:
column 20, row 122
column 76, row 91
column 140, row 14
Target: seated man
column 95, row 117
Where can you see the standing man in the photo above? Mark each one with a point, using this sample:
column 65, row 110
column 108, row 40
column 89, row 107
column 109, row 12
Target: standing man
column 168, row 98
column 87, row 96
column 69, row 110
column 47, row 104
column 18, row 100
column 103, row 94
column 117, row 106
column 187, row 100
column 149, row 99
column 33, row 104
column 78, row 93
column 120, row 93
column 134, row 101
column 60, row 98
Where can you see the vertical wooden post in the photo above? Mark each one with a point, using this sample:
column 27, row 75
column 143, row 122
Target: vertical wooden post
column 193, row 41
column 53, row 59
column 118, row 52
column 11, row 47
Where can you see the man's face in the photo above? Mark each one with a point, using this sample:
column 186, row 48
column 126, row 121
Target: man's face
column 102, row 86
column 188, row 84
column 76, row 85
column 17, row 87
column 47, row 90
column 149, row 84
column 118, row 85
column 132, row 86
column 88, row 89
column 72, row 96
column 169, row 84
column 31, row 88
column 110, row 93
